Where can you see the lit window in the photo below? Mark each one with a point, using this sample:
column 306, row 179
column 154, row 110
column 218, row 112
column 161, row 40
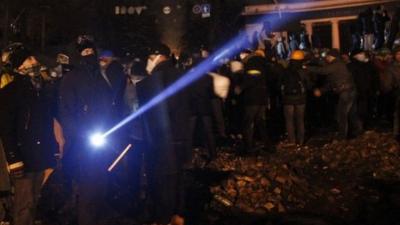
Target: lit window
column 131, row 10
column 123, row 10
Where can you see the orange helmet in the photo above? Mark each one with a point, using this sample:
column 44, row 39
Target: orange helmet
column 297, row 55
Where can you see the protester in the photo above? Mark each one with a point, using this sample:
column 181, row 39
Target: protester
column 340, row 81
column 254, row 93
column 27, row 129
column 89, row 104
column 166, row 132
column 366, row 81
column 293, row 85
column 394, row 72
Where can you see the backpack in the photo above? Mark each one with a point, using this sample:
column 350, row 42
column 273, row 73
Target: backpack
column 292, row 84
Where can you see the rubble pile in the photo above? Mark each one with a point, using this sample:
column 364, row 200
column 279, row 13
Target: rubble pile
column 301, row 178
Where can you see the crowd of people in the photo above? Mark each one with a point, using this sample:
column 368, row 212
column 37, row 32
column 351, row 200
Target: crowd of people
column 47, row 116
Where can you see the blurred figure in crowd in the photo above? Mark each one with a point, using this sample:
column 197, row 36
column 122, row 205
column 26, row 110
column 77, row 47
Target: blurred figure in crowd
column 293, row 85
column 340, row 81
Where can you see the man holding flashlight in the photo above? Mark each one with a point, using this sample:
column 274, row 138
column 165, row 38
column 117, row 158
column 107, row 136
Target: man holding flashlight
column 89, row 104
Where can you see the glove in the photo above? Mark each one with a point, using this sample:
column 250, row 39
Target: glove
column 16, row 170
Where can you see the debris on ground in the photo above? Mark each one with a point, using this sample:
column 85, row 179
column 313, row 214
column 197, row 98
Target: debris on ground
column 303, row 178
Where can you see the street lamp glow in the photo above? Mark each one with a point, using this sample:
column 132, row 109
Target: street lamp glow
column 97, row 140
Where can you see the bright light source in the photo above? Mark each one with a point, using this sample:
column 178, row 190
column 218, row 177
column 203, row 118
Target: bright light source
column 97, row 140
column 117, row 10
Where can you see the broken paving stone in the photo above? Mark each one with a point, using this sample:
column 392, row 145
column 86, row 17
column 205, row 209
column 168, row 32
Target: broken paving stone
column 280, row 179
column 277, row 191
column 288, row 178
column 269, row 206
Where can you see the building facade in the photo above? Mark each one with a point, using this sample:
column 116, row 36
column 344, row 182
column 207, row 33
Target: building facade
column 329, row 19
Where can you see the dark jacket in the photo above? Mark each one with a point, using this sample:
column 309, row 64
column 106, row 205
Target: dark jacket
column 393, row 71
column 254, row 86
column 366, row 19
column 338, row 78
column 380, row 20
column 5, row 185
column 365, row 77
column 201, row 95
column 27, row 124
column 177, row 106
column 295, row 73
column 167, row 122
column 88, row 104
column 8, row 120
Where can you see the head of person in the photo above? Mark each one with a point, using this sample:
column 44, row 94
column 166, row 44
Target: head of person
column 106, row 57
column 396, row 54
column 87, row 50
column 384, row 55
column 204, row 52
column 244, row 54
column 297, row 58
column 158, row 54
column 332, row 55
column 359, row 55
column 20, row 59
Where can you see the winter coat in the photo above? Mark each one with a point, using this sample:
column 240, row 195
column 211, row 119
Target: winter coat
column 385, row 81
column 27, row 124
column 5, row 185
column 201, row 94
column 8, row 120
column 365, row 77
column 88, row 104
column 393, row 71
column 166, row 123
column 380, row 20
column 254, row 85
column 339, row 78
column 366, row 19
column 294, row 73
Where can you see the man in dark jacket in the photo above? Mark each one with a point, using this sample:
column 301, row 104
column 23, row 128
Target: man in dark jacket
column 89, row 103
column 366, row 81
column 254, row 94
column 27, row 130
column 201, row 108
column 166, row 132
column 380, row 18
column 394, row 28
column 393, row 71
column 367, row 28
column 340, row 81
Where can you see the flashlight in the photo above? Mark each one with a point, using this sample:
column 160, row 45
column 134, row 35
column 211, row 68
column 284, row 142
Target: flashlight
column 97, row 140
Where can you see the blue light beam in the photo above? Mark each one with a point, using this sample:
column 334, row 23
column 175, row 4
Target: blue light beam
column 229, row 50
column 191, row 76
